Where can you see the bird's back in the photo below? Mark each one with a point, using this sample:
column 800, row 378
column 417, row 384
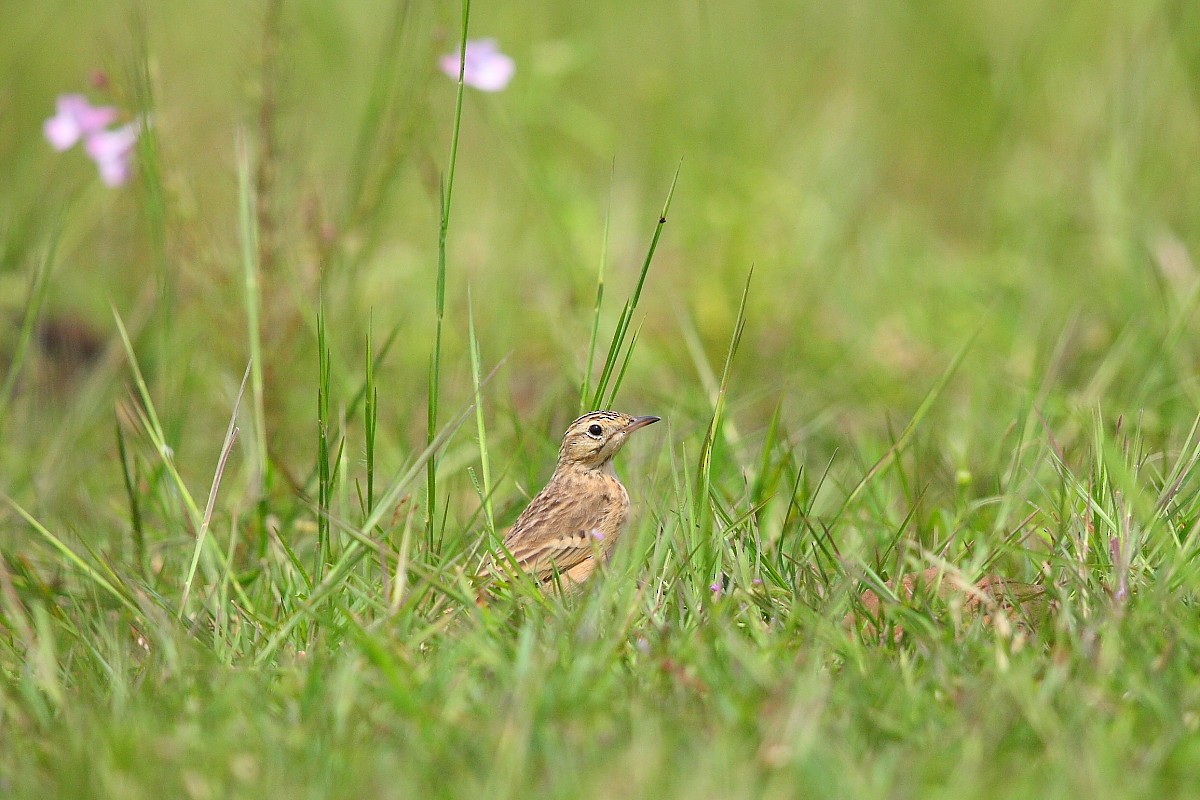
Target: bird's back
column 577, row 517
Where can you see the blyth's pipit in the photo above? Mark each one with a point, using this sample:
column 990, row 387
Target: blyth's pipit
column 578, row 517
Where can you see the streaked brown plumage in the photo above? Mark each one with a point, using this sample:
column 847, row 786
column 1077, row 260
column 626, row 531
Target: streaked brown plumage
column 578, row 517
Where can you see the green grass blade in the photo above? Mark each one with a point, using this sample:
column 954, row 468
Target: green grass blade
column 38, row 284
column 86, row 569
column 252, row 295
column 485, row 467
column 595, row 332
column 622, row 327
column 914, row 422
column 435, row 364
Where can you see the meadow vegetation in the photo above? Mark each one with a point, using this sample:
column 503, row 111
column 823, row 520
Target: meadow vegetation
column 911, row 287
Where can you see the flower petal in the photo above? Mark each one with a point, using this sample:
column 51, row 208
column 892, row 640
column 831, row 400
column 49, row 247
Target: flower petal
column 484, row 67
column 115, row 172
column 109, row 145
column 61, row 132
column 75, row 118
column 113, row 152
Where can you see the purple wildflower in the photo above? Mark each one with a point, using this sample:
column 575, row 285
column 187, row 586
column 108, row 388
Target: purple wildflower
column 113, row 152
column 484, row 67
column 76, row 118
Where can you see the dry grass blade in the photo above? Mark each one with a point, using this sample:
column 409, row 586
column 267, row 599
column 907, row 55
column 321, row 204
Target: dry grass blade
column 226, row 447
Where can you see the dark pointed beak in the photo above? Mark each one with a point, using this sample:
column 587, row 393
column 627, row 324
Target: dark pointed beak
column 640, row 422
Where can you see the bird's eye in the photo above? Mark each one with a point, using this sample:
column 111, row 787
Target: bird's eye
column 595, row 430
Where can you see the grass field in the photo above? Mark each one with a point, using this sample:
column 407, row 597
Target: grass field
column 923, row 298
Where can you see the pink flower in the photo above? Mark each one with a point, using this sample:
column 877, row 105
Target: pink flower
column 75, row 119
column 113, row 152
column 484, row 67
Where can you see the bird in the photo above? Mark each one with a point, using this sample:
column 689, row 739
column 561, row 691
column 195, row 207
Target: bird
column 573, row 523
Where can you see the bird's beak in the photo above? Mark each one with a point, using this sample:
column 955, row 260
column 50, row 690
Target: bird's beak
column 640, row 422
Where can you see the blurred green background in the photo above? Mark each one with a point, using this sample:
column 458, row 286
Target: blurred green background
column 898, row 175
column 901, row 177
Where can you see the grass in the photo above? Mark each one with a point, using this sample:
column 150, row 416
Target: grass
column 924, row 298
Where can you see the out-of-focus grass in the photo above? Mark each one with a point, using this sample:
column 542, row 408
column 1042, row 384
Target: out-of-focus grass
column 903, row 182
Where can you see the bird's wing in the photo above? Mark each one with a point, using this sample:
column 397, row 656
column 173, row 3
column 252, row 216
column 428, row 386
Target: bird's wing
column 553, row 535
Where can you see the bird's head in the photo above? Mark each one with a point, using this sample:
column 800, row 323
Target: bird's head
column 592, row 440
